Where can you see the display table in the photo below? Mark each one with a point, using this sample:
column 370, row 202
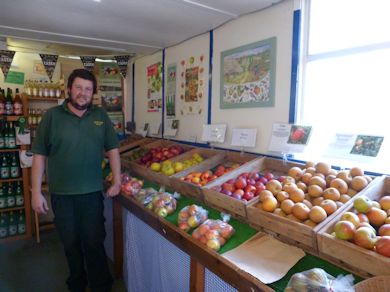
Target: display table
column 152, row 252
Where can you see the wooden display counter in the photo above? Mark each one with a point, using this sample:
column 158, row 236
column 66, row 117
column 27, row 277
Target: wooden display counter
column 201, row 257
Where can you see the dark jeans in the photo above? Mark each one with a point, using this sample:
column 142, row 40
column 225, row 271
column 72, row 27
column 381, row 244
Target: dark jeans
column 80, row 222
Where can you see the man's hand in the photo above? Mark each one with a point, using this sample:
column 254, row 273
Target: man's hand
column 113, row 190
column 39, row 203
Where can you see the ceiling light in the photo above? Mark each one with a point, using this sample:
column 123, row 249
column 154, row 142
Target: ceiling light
column 98, row 1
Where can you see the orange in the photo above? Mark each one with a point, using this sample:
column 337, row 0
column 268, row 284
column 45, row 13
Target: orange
column 331, row 194
column 301, row 211
column 286, row 206
column 297, row 195
column 317, row 214
column 329, row 206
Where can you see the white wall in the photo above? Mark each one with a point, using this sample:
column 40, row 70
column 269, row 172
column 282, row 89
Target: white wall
column 141, row 115
column 190, row 125
column 276, row 21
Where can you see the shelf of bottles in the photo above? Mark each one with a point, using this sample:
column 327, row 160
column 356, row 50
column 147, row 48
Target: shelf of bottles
column 38, row 90
column 13, row 210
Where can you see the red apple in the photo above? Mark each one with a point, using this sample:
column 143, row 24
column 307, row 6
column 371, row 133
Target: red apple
column 268, row 176
column 239, row 192
column 254, row 175
column 240, row 183
column 384, row 230
column 281, row 178
column 226, row 192
column 250, row 188
column 344, row 230
column 365, row 237
column 228, row 187
column 263, row 180
column 251, row 181
column 248, row 196
column 383, row 246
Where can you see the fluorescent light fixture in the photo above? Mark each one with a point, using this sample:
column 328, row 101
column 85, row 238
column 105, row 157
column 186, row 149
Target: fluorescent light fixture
column 210, row 8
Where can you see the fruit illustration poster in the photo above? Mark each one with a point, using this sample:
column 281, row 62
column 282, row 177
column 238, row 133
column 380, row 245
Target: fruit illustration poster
column 170, row 102
column 192, row 81
column 117, row 122
column 110, row 87
column 154, row 94
column 248, row 75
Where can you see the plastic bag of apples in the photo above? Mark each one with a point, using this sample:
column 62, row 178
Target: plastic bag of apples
column 191, row 216
column 213, row 233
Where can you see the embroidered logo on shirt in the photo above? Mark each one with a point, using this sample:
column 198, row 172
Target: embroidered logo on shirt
column 98, row 123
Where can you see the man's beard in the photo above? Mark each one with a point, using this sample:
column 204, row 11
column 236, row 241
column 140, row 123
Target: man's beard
column 80, row 107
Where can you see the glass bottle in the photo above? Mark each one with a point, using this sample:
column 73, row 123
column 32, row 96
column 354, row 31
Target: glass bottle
column 8, row 103
column 34, row 85
column 18, row 105
column 19, row 197
column 15, row 167
column 3, row 225
column 2, row 102
column 12, row 224
column 11, row 136
column 21, row 223
column 41, row 89
column 4, row 168
column 2, row 138
column 6, row 135
column 11, row 200
column 3, row 201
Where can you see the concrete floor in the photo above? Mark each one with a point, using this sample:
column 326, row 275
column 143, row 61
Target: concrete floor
column 29, row 266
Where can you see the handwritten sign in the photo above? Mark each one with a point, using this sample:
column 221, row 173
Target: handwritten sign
column 214, row 133
column 244, row 137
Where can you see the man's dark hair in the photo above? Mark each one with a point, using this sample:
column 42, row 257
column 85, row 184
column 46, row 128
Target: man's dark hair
column 83, row 74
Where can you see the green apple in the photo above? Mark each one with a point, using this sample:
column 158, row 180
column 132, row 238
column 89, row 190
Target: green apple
column 362, row 204
column 351, row 217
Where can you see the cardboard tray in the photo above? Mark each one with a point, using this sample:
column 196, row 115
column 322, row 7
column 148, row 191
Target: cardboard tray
column 349, row 255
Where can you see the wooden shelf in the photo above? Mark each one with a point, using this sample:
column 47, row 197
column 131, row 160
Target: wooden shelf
column 10, row 150
column 39, row 98
column 11, row 179
column 11, row 118
column 12, row 209
column 14, row 238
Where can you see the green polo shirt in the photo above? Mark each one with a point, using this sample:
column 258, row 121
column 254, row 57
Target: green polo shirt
column 75, row 148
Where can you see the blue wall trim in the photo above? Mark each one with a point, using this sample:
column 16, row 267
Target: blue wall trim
column 163, row 92
column 132, row 93
column 210, row 76
column 294, row 66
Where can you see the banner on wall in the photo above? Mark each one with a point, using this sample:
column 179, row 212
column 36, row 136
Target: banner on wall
column 122, row 62
column 6, row 58
column 154, row 94
column 170, row 101
column 50, row 62
column 88, row 62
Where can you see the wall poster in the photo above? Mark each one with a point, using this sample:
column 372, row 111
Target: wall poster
column 192, row 81
column 154, row 94
column 110, row 87
column 248, row 75
column 170, row 96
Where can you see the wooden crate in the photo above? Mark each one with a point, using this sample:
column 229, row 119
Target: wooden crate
column 234, row 206
column 218, row 157
column 361, row 261
column 139, row 169
column 133, row 142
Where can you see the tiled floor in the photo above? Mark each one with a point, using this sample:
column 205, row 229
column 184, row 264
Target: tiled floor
column 29, row 266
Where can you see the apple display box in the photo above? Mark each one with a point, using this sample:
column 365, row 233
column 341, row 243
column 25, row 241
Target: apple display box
column 142, row 170
column 213, row 158
column 352, row 257
column 132, row 142
column 237, row 207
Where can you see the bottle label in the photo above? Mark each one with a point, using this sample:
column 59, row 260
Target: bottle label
column 19, row 200
column 2, row 142
column 8, row 108
column 12, row 229
column 11, row 201
column 2, row 108
column 3, row 232
column 11, row 142
column 18, row 108
column 4, row 172
column 14, row 171
column 21, row 228
column 2, row 203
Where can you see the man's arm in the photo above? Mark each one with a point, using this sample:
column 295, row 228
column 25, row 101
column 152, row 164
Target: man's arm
column 38, row 201
column 115, row 164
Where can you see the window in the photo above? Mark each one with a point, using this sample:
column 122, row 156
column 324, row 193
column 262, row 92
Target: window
column 344, row 83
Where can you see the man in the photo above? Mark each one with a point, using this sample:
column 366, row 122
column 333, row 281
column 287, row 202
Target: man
column 72, row 138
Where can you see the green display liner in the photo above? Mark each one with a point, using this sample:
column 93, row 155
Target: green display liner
column 243, row 232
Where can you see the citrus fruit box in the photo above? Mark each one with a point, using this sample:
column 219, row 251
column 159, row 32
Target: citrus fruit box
column 226, row 159
column 350, row 256
column 158, row 151
column 237, row 207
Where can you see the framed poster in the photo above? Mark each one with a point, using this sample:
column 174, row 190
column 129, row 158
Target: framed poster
column 248, row 75
column 117, row 122
column 110, row 87
column 154, row 94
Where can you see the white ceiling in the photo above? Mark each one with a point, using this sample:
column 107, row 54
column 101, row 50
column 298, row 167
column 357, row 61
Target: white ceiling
column 111, row 27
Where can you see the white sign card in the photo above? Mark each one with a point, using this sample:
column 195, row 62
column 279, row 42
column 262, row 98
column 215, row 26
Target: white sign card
column 23, row 139
column 155, row 128
column 289, row 138
column 25, row 158
column 352, row 146
column 244, row 137
column 143, row 129
column 171, row 128
column 214, row 133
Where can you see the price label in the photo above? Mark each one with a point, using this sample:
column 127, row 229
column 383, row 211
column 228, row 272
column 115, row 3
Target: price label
column 155, row 128
column 143, row 130
column 244, row 137
column 214, row 133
